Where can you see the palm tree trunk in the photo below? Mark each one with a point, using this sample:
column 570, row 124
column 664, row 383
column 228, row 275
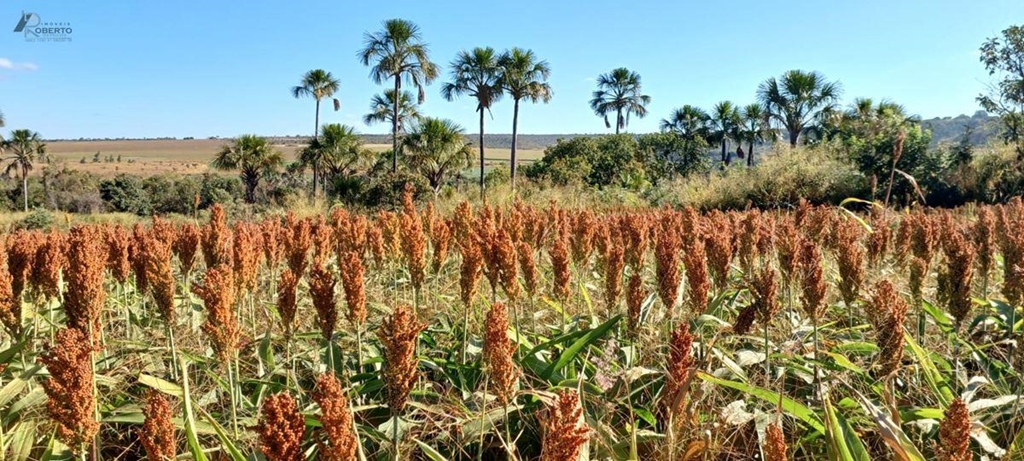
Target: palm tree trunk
column 316, row 128
column 724, row 160
column 618, row 120
column 750, row 152
column 794, row 136
column 394, row 124
column 515, row 133
column 315, row 176
column 24, row 187
column 481, row 153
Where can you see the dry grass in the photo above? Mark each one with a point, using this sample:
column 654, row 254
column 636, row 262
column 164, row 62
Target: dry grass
column 191, row 156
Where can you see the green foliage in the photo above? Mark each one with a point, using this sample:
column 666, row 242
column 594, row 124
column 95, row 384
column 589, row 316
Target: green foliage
column 1003, row 56
column 385, row 190
column 71, row 190
column 436, row 149
column 124, row 193
column 39, row 218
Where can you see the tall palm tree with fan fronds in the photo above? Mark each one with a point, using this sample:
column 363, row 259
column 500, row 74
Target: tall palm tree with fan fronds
column 337, row 152
column 476, row 74
column 619, row 92
column 319, row 84
column 436, row 148
column 725, row 122
column 523, row 77
column 382, row 105
column 397, row 52
column 25, row 147
column 799, row 101
column 754, row 128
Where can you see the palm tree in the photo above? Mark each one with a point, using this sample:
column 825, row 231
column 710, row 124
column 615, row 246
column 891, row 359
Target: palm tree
column 338, row 151
column 754, row 128
column 397, row 52
column 725, row 121
column 619, row 92
column 436, row 148
column 523, row 77
column 381, row 107
column 798, row 100
column 688, row 121
column 476, row 74
column 319, row 84
column 25, row 147
column 254, row 156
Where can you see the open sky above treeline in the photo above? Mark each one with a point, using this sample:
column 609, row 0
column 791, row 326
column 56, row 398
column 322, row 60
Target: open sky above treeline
column 152, row 69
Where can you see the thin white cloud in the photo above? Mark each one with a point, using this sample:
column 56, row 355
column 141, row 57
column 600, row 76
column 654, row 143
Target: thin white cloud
column 11, row 65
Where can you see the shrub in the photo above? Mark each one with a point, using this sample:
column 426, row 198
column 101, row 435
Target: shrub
column 124, row 193
column 38, row 218
column 385, row 190
column 172, row 193
column 71, row 190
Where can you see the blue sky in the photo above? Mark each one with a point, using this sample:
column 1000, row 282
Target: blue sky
column 148, row 69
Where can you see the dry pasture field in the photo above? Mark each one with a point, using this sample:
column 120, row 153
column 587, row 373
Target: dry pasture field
column 185, row 156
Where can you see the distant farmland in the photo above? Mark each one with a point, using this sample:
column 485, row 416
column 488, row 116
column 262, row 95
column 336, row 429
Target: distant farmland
column 192, row 156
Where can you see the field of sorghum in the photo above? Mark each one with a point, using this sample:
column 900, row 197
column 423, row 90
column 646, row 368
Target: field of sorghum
column 519, row 332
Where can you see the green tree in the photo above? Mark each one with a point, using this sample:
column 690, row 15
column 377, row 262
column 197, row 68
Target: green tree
column 319, row 84
column 436, row 148
column 725, row 125
column 253, row 156
column 754, row 128
column 798, row 101
column 337, row 152
column 24, row 147
column 397, row 52
column 382, row 109
column 524, row 77
column 1003, row 57
column 476, row 74
column 619, row 92
column 688, row 121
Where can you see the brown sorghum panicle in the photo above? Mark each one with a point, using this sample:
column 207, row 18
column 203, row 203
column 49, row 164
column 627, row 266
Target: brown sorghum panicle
column 498, row 351
column 273, row 247
column 892, row 310
column 21, row 251
column 750, row 223
column 186, row 245
column 775, row 444
column 137, row 256
column 634, row 300
column 584, row 225
column 954, row 287
column 391, row 229
column 697, row 282
column 528, row 266
column 7, row 299
column 984, row 240
column 375, row 240
column 157, row 434
column 559, row 253
column 955, row 433
column 335, row 419
column 637, row 229
column 680, row 369
column 399, row 333
column 469, row 275
column 216, row 241
column 217, row 290
column 505, row 257
column 352, row 273
column 614, row 263
column 321, row 289
column 564, row 429
column 881, row 235
column 440, row 239
column 70, row 400
column 850, row 259
column 462, row 222
column 745, row 319
column 765, row 289
column 667, row 251
column 281, row 428
column 85, row 295
column 414, row 241
column 787, row 248
column 719, row 248
column 297, row 239
column 118, row 240
column 812, row 281
column 1011, row 245
column 247, row 251
column 286, row 291
column 323, row 241
column 50, row 261
column 157, row 254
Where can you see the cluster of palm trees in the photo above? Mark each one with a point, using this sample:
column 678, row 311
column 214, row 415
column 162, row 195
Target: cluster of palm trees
column 397, row 54
column 796, row 104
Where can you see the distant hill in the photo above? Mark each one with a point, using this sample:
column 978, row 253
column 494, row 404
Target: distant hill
column 950, row 129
